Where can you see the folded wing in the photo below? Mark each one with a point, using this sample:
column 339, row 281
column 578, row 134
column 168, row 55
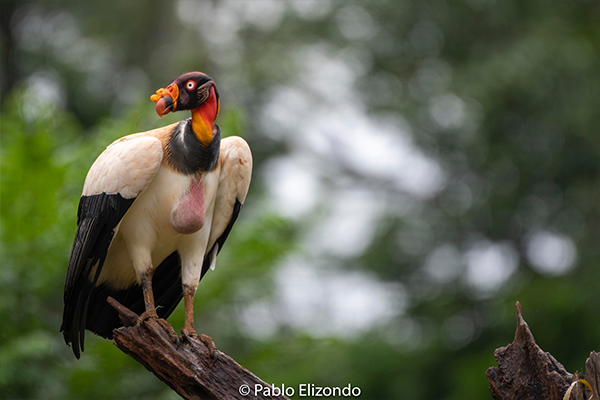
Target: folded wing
column 236, row 169
column 115, row 180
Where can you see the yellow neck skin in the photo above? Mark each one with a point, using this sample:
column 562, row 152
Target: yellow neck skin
column 202, row 128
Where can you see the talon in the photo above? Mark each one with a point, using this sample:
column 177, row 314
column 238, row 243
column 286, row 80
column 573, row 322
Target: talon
column 210, row 343
column 169, row 330
column 187, row 333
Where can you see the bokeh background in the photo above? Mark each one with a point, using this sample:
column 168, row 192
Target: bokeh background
column 419, row 167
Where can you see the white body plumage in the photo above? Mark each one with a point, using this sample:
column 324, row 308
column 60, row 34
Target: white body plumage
column 133, row 167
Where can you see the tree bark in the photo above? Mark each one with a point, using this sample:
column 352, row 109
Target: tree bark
column 185, row 365
column 526, row 372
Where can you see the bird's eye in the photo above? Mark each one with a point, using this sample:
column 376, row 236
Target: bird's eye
column 190, row 84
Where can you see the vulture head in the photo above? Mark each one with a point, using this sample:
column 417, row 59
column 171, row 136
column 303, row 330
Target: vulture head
column 190, row 91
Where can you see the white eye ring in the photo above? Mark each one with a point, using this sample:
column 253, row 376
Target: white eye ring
column 190, row 84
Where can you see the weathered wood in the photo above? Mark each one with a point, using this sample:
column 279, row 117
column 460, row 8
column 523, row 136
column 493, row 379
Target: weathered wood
column 592, row 374
column 527, row 372
column 184, row 365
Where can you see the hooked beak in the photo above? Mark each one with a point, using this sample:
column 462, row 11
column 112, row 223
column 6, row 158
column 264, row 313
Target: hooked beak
column 166, row 99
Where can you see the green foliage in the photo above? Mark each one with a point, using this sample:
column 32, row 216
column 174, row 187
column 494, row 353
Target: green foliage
column 502, row 96
column 35, row 220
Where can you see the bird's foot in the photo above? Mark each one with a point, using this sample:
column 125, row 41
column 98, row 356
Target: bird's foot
column 146, row 315
column 210, row 343
column 169, row 330
column 187, row 333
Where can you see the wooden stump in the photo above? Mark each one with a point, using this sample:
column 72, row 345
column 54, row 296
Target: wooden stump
column 526, row 372
column 185, row 365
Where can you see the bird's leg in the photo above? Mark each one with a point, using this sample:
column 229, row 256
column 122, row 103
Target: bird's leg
column 146, row 278
column 188, row 329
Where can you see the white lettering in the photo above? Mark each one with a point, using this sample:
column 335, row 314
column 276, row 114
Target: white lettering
column 289, row 391
column 302, row 390
column 319, row 389
column 347, row 390
column 258, row 388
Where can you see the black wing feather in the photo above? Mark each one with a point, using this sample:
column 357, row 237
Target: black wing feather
column 97, row 217
column 237, row 207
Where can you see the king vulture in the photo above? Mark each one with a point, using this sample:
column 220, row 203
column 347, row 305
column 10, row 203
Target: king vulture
column 155, row 211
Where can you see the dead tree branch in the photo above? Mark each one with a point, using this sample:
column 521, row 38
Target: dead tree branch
column 525, row 371
column 186, row 366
